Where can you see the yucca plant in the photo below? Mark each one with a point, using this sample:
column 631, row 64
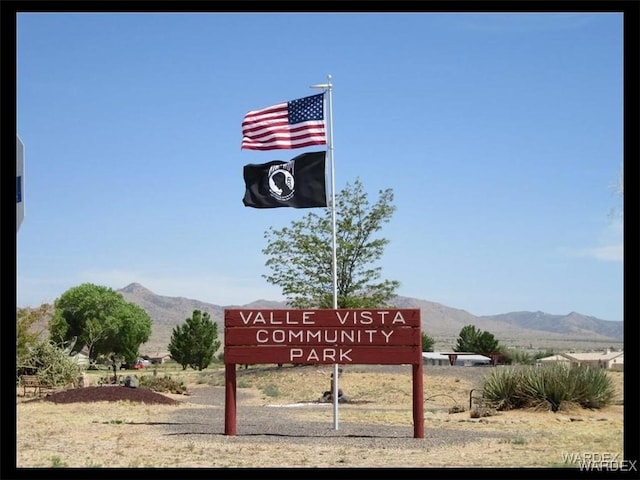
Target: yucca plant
column 593, row 388
column 546, row 387
column 550, row 387
column 502, row 388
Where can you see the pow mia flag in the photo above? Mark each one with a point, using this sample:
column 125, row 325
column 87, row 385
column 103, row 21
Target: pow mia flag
column 299, row 183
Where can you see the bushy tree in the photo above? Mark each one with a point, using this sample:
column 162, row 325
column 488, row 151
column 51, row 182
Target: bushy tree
column 100, row 319
column 27, row 331
column 472, row 339
column 301, row 256
column 194, row 343
column 51, row 364
column 427, row 343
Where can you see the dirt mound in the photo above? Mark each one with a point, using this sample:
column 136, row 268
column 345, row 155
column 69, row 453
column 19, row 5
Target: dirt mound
column 110, row 394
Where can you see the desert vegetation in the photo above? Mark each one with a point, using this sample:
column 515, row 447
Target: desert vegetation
column 549, row 387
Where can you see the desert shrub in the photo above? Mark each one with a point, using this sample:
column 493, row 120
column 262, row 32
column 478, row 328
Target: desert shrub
column 482, row 411
column 549, row 387
column 520, row 357
column 162, row 384
column 51, row 364
column 271, row 390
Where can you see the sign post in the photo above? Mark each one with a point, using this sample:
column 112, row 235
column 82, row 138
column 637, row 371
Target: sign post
column 19, row 183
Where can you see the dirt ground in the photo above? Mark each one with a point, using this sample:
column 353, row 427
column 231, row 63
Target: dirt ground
column 281, row 423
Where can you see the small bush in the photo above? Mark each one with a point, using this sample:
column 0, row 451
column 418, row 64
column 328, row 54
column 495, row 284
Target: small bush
column 482, row 411
column 162, row 384
column 271, row 390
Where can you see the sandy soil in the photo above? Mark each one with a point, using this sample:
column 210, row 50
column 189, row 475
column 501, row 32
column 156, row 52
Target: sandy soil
column 280, row 424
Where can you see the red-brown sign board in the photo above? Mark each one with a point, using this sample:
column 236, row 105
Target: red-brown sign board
column 408, row 317
column 324, row 355
column 386, row 336
column 360, row 336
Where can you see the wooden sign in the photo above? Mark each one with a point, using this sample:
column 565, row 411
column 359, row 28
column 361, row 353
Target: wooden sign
column 323, row 336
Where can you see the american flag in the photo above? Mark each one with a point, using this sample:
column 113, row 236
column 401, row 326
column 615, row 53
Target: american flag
column 294, row 124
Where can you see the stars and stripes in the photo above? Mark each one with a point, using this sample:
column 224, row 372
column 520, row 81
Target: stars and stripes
column 294, row 124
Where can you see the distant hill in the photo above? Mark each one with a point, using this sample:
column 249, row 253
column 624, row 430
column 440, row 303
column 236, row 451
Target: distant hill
column 536, row 330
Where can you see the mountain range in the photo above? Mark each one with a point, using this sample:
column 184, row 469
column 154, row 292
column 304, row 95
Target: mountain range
column 525, row 330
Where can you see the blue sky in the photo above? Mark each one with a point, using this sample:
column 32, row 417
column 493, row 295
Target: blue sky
column 501, row 136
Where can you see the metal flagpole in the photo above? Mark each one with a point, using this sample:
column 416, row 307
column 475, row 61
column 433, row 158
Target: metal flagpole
column 329, row 87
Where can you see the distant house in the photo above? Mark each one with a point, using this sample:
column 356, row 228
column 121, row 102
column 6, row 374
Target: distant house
column 81, row 359
column 158, row 357
column 458, row 359
column 617, row 363
column 554, row 359
column 433, row 358
column 604, row 359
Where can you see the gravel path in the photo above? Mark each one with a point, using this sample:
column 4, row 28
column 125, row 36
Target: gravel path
column 276, row 424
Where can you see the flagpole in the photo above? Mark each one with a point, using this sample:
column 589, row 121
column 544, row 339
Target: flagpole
column 329, row 87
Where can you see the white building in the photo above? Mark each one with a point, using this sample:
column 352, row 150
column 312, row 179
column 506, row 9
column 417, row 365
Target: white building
column 604, row 359
column 460, row 359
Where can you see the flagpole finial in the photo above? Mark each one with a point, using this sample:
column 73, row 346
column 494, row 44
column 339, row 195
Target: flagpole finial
column 326, row 86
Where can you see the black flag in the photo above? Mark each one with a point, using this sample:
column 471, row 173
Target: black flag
column 299, row 183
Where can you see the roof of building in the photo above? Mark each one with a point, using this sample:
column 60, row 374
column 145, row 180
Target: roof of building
column 594, row 356
column 583, row 357
column 555, row 358
column 462, row 356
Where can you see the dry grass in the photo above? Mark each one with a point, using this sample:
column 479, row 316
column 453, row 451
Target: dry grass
column 129, row 435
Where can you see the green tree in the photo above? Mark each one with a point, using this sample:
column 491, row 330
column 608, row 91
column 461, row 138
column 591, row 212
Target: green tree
column 301, row 256
column 100, row 319
column 427, row 343
column 194, row 343
column 133, row 325
column 475, row 340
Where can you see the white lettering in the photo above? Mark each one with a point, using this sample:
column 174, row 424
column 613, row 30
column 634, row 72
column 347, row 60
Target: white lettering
column 329, row 354
column 306, row 320
column 337, row 336
column 367, row 317
column 262, row 336
column 332, row 355
column 314, row 335
column 341, row 319
column 399, row 319
column 344, row 356
column 248, row 318
column 296, row 335
column 259, row 319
